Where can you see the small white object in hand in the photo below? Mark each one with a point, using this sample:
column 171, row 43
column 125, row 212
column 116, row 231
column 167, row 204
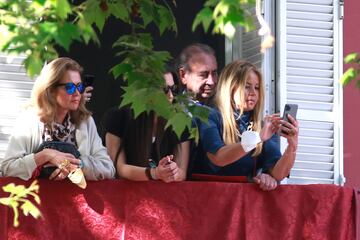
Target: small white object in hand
column 249, row 140
column 78, row 178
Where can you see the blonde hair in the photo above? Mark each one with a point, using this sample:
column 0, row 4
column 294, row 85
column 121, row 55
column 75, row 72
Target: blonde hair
column 233, row 78
column 43, row 96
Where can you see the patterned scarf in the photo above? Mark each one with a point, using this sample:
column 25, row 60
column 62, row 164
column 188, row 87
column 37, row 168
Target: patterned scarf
column 244, row 121
column 64, row 132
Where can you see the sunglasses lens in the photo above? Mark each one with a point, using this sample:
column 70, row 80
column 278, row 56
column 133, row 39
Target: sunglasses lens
column 80, row 87
column 166, row 89
column 70, row 88
column 174, row 89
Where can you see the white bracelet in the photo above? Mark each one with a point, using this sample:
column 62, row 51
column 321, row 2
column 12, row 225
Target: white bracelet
column 249, row 140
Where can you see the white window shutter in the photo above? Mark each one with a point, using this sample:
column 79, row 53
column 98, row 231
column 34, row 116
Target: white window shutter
column 309, row 65
column 15, row 91
column 247, row 46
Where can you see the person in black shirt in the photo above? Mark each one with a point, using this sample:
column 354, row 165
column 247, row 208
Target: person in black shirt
column 142, row 148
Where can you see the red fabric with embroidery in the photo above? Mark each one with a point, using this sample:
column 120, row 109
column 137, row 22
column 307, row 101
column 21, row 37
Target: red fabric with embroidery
column 121, row 209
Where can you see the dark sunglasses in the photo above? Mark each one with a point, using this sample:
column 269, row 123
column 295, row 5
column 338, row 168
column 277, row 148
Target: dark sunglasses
column 174, row 89
column 70, row 87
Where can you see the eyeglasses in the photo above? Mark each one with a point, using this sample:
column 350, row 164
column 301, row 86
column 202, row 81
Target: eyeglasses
column 174, row 89
column 71, row 87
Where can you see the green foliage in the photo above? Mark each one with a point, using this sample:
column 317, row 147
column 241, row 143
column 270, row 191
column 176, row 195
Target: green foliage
column 18, row 197
column 226, row 15
column 353, row 72
column 143, row 69
column 34, row 27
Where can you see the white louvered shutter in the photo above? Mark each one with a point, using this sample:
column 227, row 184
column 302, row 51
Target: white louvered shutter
column 247, row 46
column 15, row 91
column 308, row 69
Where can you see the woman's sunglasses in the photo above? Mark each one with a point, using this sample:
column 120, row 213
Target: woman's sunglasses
column 70, row 87
column 174, row 89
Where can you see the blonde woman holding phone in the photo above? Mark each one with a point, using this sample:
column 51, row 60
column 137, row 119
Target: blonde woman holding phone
column 237, row 141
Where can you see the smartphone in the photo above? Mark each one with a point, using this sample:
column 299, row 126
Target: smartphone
column 290, row 109
column 89, row 80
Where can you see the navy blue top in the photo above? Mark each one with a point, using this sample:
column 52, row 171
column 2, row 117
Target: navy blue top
column 211, row 141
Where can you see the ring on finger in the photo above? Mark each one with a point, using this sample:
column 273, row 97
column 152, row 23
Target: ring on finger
column 64, row 163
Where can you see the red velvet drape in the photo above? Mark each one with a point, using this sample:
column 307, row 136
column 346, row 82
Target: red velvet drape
column 121, row 209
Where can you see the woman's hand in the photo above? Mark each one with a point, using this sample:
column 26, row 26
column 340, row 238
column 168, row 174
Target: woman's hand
column 65, row 162
column 88, row 93
column 265, row 182
column 290, row 131
column 271, row 126
column 166, row 169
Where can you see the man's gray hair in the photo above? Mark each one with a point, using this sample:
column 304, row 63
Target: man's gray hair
column 188, row 52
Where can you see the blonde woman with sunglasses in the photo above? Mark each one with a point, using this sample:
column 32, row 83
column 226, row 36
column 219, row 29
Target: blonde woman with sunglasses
column 57, row 113
column 237, row 141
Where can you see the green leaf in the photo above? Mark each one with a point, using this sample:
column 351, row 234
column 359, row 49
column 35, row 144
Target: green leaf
column 41, row 2
column 87, row 32
column 129, row 92
column 138, row 77
column 33, row 64
column 179, row 122
column 18, row 195
column 157, row 101
column 27, row 207
column 121, row 69
column 100, row 20
column 235, row 16
column 211, row 3
column 194, row 133
column 48, row 28
column 200, row 112
column 63, row 8
column 66, row 34
column 140, row 40
column 119, row 10
column 221, row 8
column 5, row 201
column 94, row 14
column 138, row 103
column 348, row 76
column 166, row 19
column 204, row 17
column 146, row 11
column 9, row 187
column 350, row 58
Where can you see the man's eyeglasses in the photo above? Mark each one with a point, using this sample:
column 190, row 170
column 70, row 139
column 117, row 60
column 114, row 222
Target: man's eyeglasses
column 71, row 87
column 174, row 89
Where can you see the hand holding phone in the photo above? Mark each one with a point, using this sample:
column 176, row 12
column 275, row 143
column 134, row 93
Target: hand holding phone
column 289, row 109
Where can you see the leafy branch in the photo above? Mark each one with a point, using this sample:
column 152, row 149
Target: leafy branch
column 18, row 197
column 353, row 72
column 34, row 27
column 226, row 15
